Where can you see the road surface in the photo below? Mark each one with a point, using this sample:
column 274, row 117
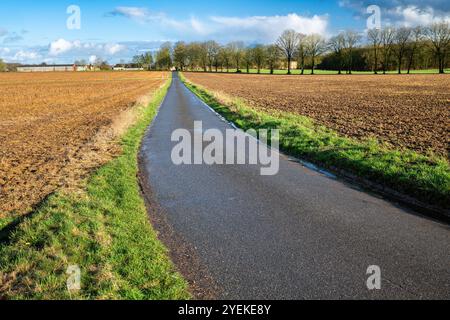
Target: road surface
column 296, row 235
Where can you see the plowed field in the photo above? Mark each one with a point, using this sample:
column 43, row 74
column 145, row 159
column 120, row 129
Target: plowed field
column 57, row 127
column 408, row 111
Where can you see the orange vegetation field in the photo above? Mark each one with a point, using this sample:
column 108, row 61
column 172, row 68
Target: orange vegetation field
column 55, row 128
column 405, row 111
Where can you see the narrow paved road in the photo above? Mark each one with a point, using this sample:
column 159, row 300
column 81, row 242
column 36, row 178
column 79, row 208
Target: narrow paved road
column 295, row 235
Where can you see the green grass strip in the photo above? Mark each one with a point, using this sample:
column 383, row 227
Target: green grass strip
column 426, row 178
column 104, row 230
column 327, row 72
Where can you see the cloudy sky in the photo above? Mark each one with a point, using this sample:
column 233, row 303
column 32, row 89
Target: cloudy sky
column 38, row 31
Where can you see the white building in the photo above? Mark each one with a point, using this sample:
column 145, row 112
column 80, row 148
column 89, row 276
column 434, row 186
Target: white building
column 127, row 67
column 51, row 68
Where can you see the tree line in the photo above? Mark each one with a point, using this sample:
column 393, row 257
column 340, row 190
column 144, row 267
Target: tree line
column 379, row 51
column 2, row 66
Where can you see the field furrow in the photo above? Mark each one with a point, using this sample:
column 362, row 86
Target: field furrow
column 54, row 129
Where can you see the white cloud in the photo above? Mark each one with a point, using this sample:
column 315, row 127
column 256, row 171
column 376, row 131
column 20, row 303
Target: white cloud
column 197, row 26
column 413, row 16
column 269, row 27
column 93, row 59
column 403, row 12
column 62, row 46
column 222, row 28
column 114, row 48
column 132, row 12
column 3, row 32
column 139, row 14
column 26, row 56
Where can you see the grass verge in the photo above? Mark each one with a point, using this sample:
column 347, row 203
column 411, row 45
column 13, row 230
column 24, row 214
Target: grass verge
column 426, row 178
column 104, row 230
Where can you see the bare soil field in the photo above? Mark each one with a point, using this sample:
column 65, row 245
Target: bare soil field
column 55, row 128
column 409, row 111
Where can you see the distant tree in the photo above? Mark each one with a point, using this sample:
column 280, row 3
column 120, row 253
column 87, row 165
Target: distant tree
column 248, row 58
column 374, row 36
column 218, row 59
column 272, row 57
column 81, row 62
column 193, row 55
column 259, row 56
column 164, row 57
column 415, row 39
column 351, row 41
column 180, row 55
column 315, row 45
column 439, row 36
column 2, row 66
column 401, row 39
column 360, row 57
column 203, row 56
column 136, row 60
column 288, row 43
column 237, row 51
column 337, row 45
column 301, row 53
column 102, row 64
column 143, row 60
column 387, row 39
column 225, row 57
column 212, row 51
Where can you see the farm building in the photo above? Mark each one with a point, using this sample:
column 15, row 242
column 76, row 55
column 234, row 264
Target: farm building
column 127, row 67
column 51, row 68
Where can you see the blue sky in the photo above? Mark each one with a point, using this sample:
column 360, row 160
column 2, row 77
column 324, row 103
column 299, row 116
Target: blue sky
column 36, row 31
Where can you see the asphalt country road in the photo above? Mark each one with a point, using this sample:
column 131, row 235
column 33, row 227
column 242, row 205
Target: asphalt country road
column 296, row 235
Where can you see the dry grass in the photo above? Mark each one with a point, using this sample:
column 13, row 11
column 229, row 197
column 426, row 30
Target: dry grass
column 56, row 128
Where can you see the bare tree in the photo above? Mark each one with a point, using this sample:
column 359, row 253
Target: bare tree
column 203, row 55
column 351, row 41
column 193, row 55
column 337, row 45
column 301, row 52
column 248, row 58
column 287, row 44
column 439, row 36
column 416, row 37
column 225, row 57
column 212, row 51
column 374, row 36
column 147, row 60
column 259, row 56
column 387, row 38
column 401, row 39
column 272, row 56
column 315, row 45
column 237, row 51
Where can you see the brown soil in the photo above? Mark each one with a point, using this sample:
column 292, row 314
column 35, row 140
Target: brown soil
column 405, row 111
column 55, row 128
